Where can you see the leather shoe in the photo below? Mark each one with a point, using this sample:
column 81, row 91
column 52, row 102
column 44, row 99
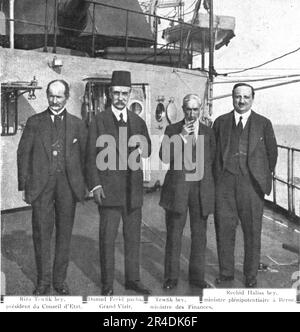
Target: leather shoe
column 62, row 289
column 221, row 279
column 170, row 284
column 200, row 284
column 251, row 282
column 137, row 287
column 107, row 291
column 41, row 290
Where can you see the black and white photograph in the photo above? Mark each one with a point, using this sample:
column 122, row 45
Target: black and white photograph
column 150, row 157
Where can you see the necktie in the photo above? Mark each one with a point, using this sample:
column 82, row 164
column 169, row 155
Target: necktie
column 121, row 121
column 193, row 136
column 57, row 121
column 194, row 139
column 240, row 127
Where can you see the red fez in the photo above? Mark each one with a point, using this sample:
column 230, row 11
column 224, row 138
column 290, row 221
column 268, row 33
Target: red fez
column 121, row 78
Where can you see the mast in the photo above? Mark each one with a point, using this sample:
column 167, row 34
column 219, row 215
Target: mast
column 209, row 5
column 211, row 55
column 11, row 24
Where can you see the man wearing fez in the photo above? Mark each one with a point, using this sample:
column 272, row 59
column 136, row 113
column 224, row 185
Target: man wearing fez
column 188, row 187
column 117, row 187
column 51, row 156
column 245, row 159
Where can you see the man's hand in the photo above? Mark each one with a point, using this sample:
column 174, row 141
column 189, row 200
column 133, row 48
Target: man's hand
column 99, row 195
column 188, row 129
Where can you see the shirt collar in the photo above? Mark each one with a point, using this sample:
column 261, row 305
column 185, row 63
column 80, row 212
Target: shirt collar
column 53, row 113
column 245, row 117
column 118, row 112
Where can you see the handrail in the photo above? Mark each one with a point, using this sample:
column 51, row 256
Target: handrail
column 159, row 50
column 182, row 49
column 141, row 13
column 290, row 182
column 288, row 147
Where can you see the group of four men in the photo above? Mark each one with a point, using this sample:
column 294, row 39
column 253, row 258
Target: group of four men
column 57, row 159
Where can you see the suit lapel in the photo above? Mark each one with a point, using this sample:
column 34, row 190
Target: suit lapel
column 70, row 133
column 180, row 126
column 226, row 130
column 110, row 127
column 178, row 131
column 45, row 132
column 202, row 131
column 109, row 124
column 132, row 123
column 254, row 131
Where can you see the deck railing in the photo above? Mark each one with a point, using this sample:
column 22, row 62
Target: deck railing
column 291, row 180
column 291, row 202
column 184, row 49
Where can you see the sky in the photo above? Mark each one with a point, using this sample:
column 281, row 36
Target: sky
column 265, row 29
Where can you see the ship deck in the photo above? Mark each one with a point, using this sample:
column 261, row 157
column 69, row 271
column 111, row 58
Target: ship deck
column 18, row 266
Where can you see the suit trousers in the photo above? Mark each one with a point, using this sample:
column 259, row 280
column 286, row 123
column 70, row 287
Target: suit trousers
column 175, row 223
column 238, row 198
column 109, row 223
column 54, row 206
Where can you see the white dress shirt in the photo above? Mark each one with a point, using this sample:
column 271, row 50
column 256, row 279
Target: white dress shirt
column 53, row 114
column 244, row 116
column 118, row 112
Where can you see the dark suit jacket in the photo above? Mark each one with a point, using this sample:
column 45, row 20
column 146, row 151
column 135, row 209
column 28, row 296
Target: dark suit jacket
column 175, row 189
column 34, row 155
column 262, row 153
column 112, row 181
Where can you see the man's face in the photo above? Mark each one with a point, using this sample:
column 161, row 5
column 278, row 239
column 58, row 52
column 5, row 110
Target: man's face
column 242, row 99
column 56, row 96
column 191, row 110
column 120, row 96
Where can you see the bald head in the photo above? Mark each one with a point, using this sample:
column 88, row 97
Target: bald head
column 57, row 94
column 61, row 83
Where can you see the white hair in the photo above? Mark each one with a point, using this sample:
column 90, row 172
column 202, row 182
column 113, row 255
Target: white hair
column 191, row 96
